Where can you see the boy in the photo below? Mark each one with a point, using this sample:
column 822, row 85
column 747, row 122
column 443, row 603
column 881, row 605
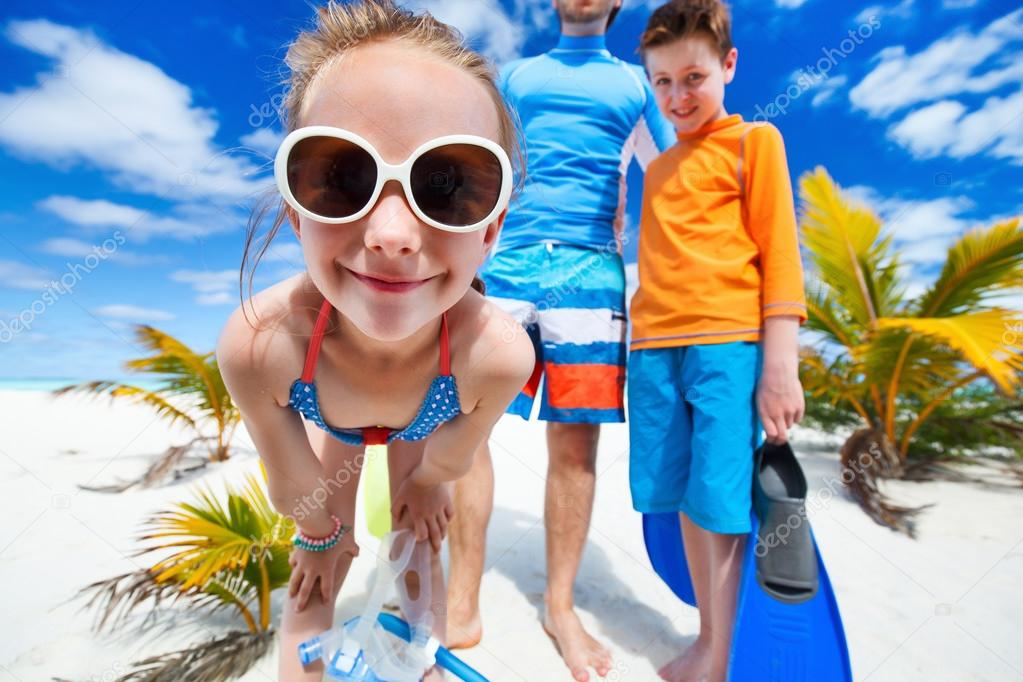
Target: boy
column 714, row 349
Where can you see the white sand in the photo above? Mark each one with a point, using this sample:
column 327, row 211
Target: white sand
column 941, row 607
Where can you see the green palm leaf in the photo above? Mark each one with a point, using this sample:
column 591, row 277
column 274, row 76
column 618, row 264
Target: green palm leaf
column 118, row 390
column 979, row 337
column 982, row 262
column 848, row 251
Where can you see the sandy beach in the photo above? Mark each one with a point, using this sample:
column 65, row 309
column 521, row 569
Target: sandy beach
column 940, row 607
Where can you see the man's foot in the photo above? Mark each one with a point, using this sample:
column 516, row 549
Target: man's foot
column 465, row 629
column 692, row 666
column 577, row 648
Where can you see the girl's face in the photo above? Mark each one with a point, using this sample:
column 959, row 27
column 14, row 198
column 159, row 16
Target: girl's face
column 389, row 272
column 689, row 77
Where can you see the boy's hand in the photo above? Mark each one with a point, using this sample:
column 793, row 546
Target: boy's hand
column 779, row 401
column 427, row 508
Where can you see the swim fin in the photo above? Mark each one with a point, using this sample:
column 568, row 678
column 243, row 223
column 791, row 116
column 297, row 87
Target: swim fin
column 775, row 638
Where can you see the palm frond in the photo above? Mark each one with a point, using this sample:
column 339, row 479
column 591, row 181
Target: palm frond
column 220, row 658
column 980, row 337
column 983, row 261
column 115, row 598
column 188, row 372
column 848, row 251
column 824, row 316
column 116, row 389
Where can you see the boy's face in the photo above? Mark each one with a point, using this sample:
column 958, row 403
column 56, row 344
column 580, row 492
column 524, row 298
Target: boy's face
column 689, row 78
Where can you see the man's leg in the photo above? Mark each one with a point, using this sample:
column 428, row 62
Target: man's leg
column 467, row 539
column 571, row 478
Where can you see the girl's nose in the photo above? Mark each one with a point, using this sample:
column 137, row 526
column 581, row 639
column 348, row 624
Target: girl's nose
column 391, row 227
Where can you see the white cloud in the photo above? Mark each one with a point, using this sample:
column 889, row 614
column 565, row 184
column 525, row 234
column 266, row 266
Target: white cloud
column 263, row 140
column 69, row 247
column 212, row 287
column 945, row 128
column 124, row 311
column 923, row 229
column 484, row 23
column 939, row 78
column 789, row 4
column 827, row 88
column 20, row 276
column 288, row 252
column 948, row 66
column 187, row 222
column 901, row 11
column 109, row 110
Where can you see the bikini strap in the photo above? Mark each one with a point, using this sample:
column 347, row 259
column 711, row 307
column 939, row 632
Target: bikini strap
column 445, row 351
column 314, row 343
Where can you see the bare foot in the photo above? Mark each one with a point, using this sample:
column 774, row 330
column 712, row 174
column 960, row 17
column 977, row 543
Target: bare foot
column 692, row 666
column 578, row 649
column 464, row 628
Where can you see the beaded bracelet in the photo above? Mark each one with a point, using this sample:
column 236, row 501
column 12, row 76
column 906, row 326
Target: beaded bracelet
column 322, row 544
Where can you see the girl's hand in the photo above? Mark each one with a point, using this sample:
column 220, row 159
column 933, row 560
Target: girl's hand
column 780, row 401
column 309, row 567
column 428, row 508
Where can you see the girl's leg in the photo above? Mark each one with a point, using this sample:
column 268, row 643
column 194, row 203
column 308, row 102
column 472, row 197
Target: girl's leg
column 342, row 465
column 402, row 458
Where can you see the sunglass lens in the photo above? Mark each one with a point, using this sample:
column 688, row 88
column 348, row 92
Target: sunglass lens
column 331, row 177
column 457, row 184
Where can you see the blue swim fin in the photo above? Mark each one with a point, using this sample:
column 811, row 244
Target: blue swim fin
column 772, row 640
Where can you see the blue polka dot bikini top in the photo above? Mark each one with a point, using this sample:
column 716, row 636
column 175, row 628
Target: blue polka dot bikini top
column 440, row 405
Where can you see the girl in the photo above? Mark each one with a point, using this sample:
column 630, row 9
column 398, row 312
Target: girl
column 386, row 311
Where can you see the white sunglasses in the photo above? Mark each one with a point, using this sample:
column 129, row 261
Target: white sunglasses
column 458, row 183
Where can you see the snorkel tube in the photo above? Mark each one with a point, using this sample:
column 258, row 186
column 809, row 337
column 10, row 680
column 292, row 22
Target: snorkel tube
column 380, row 647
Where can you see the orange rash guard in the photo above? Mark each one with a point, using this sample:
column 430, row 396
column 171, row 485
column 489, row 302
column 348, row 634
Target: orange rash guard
column 718, row 250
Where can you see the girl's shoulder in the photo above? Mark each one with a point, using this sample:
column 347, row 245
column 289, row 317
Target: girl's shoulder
column 264, row 338
column 487, row 345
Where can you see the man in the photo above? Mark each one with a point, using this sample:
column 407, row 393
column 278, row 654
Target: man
column 558, row 270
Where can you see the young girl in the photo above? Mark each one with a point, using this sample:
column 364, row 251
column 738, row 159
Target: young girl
column 386, row 312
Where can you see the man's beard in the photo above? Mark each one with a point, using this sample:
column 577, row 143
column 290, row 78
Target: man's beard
column 582, row 16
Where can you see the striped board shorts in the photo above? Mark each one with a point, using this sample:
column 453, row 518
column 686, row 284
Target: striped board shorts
column 571, row 301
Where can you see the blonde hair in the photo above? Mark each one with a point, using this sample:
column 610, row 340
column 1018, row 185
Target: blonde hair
column 341, row 27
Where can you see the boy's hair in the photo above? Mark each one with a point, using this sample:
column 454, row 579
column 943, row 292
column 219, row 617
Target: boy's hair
column 343, row 26
column 685, row 18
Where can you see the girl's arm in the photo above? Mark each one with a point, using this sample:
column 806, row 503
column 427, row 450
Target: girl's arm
column 294, row 474
column 449, row 450
column 501, row 373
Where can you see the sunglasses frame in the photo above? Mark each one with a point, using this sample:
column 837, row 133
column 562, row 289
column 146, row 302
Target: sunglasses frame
column 385, row 172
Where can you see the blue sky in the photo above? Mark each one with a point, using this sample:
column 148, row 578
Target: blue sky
column 134, row 136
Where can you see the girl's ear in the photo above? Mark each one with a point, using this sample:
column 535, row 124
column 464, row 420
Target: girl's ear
column 296, row 225
column 493, row 229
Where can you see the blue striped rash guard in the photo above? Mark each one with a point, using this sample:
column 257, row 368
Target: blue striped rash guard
column 585, row 115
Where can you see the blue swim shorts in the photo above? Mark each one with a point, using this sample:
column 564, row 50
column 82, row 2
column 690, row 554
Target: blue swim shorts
column 571, row 301
column 693, row 427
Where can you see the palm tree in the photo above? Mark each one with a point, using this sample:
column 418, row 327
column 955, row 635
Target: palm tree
column 221, row 557
column 890, row 359
column 184, row 374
